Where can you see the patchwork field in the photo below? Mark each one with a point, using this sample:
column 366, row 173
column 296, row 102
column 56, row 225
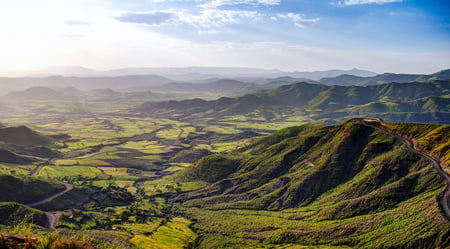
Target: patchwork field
column 121, row 172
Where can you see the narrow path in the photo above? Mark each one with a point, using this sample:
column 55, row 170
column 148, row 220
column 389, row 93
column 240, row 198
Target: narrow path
column 51, row 220
column 68, row 188
column 445, row 199
column 178, row 141
column 36, row 171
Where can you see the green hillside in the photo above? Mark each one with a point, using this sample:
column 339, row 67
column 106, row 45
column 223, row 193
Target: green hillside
column 343, row 185
column 21, row 145
column 12, row 213
column 430, row 138
column 383, row 78
column 23, row 136
column 10, row 157
column 26, row 189
column 397, row 101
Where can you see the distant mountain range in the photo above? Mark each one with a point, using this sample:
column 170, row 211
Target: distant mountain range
column 75, row 95
column 232, row 82
column 413, row 101
column 119, row 82
column 347, row 79
column 197, row 73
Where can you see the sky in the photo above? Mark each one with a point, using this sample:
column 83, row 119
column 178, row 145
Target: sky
column 403, row 36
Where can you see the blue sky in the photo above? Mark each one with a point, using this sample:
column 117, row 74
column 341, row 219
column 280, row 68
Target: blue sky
column 410, row 36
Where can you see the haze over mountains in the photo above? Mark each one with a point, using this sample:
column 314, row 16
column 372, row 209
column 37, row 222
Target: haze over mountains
column 413, row 102
column 396, row 97
column 196, row 73
column 168, row 79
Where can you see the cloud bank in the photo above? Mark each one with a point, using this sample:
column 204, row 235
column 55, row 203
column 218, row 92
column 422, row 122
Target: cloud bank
column 298, row 19
column 360, row 2
column 152, row 18
column 218, row 3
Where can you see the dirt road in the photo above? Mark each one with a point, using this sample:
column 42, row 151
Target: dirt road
column 68, row 187
column 51, row 220
column 444, row 202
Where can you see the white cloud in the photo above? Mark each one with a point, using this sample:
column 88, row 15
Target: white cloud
column 206, row 21
column 218, row 3
column 298, row 19
column 150, row 18
column 210, row 19
column 360, row 2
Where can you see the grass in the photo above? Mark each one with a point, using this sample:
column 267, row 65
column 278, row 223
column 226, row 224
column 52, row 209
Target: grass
column 175, row 234
column 13, row 169
column 431, row 138
column 393, row 184
column 72, row 171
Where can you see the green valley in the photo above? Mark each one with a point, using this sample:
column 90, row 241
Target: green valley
column 288, row 167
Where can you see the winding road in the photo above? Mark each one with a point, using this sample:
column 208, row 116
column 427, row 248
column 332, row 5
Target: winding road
column 51, row 217
column 67, row 186
column 444, row 202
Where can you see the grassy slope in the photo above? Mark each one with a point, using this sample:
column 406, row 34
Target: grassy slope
column 409, row 101
column 26, row 189
column 12, row 213
column 430, row 138
column 345, row 185
column 22, row 145
column 23, row 136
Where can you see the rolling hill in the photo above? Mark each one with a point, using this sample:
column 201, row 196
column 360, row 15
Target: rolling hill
column 23, row 136
column 322, row 102
column 348, row 79
column 21, row 145
column 42, row 93
column 26, row 189
column 221, row 86
column 343, row 185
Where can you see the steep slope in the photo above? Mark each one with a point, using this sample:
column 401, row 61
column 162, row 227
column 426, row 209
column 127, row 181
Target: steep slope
column 431, row 139
column 12, row 213
column 348, row 180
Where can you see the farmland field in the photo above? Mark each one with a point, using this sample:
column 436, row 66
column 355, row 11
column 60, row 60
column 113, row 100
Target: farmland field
column 106, row 151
